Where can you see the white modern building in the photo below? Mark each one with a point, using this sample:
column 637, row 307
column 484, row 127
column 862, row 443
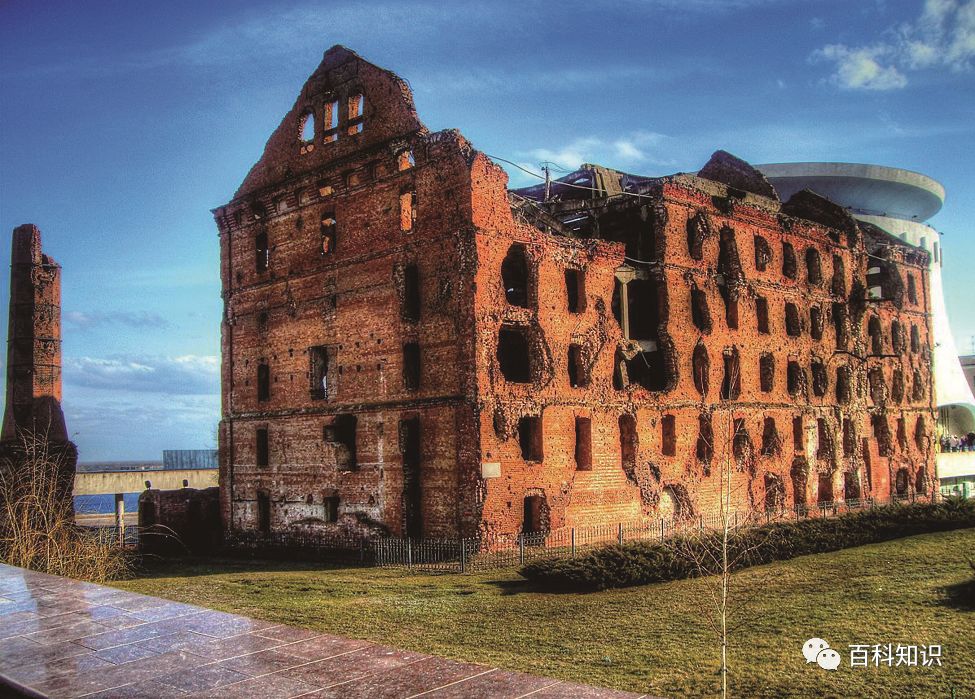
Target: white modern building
column 899, row 202
column 968, row 366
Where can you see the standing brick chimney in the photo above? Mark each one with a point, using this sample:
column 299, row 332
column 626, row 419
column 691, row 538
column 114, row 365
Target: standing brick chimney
column 34, row 350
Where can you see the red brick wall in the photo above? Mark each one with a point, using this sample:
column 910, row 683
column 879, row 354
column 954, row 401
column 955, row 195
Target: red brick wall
column 606, row 494
column 352, row 300
column 34, row 346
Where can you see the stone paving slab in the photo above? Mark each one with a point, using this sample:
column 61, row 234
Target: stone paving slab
column 66, row 638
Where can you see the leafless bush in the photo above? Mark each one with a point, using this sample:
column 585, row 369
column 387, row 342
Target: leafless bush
column 37, row 527
column 716, row 555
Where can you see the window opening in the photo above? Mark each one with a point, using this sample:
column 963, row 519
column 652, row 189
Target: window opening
column 411, row 366
column 815, row 323
column 578, row 373
column 342, row 435
column 264, row 513
column 761, row 314
column 409, row 444
column 405, row 160
column 328, row 230
column 575, row 290
column 262, row 450
column 411, row 293
column 766, row 371
column 814, row 268
column 331, row 121
column 514, row 276
column 530, row 437
column 793, row 326
column 629, row 444
column 583, row 448
column 763, row 253
column 407, row 211
column 731, row 381
column 262, row 252
column 318, row 372
column 306, row 128
column 514, row 357
column 668, row 435
column 788, row 261
column 357, row 105
column 771, row 444
column 263, row 383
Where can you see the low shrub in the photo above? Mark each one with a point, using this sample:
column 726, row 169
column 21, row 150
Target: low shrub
column 643, row 562
column 37, row 527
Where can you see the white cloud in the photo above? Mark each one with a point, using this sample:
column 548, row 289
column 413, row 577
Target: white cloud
column 942, row 37
column 637, row 149
column 126, row 426
column 86, row 320
column 570, row 155
column 184, row 375
column 153, row 415
column 628, row 150
column 861, row 69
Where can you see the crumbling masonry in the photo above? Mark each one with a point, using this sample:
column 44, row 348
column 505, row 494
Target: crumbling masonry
column 32, row 417
column 409, row 346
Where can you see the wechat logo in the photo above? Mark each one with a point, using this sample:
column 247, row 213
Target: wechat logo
column 816, row 650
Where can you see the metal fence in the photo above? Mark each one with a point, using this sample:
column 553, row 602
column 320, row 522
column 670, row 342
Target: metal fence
column 493, row 552
column 107, row 533
column 488, row 552
column 334, row 546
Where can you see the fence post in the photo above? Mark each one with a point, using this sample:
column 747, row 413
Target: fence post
column 661, row 528
column 621, row 533
column 120, row 519
column 700, row 522
column 362, row 550
column 572, row 535
column 463, row 555
column 409, row 553
column 521, row 548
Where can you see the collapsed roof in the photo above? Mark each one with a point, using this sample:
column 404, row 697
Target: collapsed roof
column 593, row 201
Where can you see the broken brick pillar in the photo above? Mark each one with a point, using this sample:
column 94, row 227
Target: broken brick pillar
column 34, row 356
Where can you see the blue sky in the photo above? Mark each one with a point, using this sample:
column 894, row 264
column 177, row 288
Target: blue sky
column 123, row 123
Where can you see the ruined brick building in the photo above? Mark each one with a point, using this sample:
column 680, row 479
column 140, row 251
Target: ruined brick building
column 33, row 398
column 409, row 345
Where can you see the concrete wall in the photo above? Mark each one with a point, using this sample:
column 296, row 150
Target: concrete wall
column 109, row 482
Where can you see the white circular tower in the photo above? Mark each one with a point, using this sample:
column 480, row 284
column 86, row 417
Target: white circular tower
column 899, row 202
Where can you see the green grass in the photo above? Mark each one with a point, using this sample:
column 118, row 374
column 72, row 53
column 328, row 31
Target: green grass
column 646, row 639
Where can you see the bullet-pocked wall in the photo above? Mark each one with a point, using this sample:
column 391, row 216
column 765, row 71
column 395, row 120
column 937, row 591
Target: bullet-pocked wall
column 344, row 331
column 743, row 347
column 410, row 347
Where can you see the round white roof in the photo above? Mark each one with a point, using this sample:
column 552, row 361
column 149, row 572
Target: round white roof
column 868, row 189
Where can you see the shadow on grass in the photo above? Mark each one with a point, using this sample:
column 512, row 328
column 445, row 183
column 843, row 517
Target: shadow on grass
column 959, row 596
column 512, row 587
column 148, row 567
column 521, row 586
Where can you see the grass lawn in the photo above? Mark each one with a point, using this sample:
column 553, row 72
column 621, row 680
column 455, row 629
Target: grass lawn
column 647, row 639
